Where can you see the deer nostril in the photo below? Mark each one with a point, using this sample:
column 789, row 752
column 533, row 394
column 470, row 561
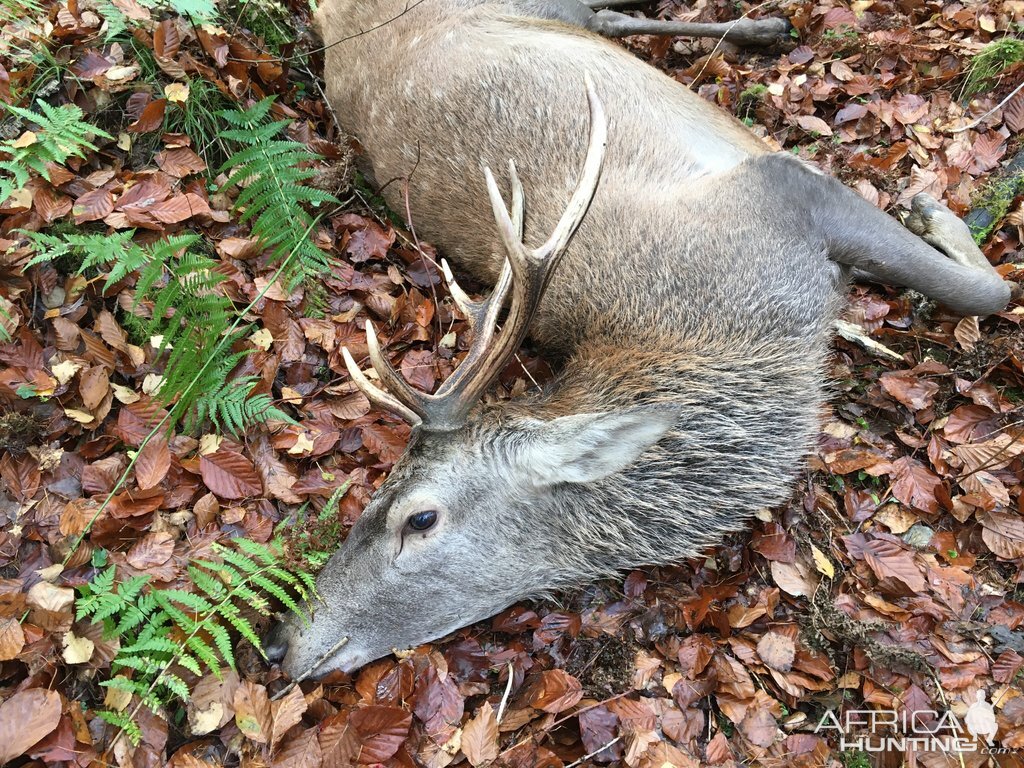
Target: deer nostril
column 275, row 644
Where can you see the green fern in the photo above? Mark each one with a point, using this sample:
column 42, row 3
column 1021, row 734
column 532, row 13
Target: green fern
column 271, row 175
column 163, row 631
column 193, row 318
column 117, row 21
column 190, row 315
column 60, row 133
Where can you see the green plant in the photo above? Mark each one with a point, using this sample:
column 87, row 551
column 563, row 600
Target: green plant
column 315, row 539
column 992, row 202
column 163, row 632
column 61, row 133
column 190, row 315
column 268, row 19
column 750, row 98
column 271, row 174
column 198, row 118
column 856, row 759
column 193, row 319
column 989, row 63
column 841, row 38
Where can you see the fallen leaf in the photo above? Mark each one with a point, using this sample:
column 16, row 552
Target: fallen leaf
column 25, row 718
column 229, row 474
column 252, row 712
column 77, row 650
column 777, row 651
column 12, row 638
column 480, row 737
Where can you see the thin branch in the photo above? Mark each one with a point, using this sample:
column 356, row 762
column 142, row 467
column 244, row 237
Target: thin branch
column 988, row 114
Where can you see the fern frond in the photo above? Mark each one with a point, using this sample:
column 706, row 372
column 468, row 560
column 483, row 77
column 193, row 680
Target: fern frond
column 271, row 175
column 172, row 629
column 124, row 722
column 60, row 133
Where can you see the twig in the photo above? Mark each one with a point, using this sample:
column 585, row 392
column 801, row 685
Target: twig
column 583, row 759
column 994, row 109
column 508, row 690
column 305, row 675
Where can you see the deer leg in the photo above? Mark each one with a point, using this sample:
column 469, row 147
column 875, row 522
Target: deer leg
column 865, row 239
column 742, row 32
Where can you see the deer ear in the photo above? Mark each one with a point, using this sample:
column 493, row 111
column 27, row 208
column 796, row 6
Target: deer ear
column 590, row 446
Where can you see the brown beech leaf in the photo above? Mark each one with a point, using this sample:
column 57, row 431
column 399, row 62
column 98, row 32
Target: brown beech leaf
column 910, row 389
column 25, row 718
column 1003, row 533
column 180, row 161
column 178, row 209
column 153, row 463
column 381, row 732
column 1006, row 666
column 152, row 549
column 718, row 750
column 759, row 726
column 1013, row 113
column 382, row 441
column 166, row 40
column 252, row 712
column 93, row 206
column 813, row 124
column 890, row 561
column 480, row 736
column 151, row 119
column 915, row 485
column 556, row 691
column 135, row 503
column 229, row 474
column 287, row 712
column 12, row 638
column 777, row 651
column 301, row 752
column 339, row 742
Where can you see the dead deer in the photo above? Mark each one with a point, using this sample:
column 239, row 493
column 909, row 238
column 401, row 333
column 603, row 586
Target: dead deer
column 687, row 282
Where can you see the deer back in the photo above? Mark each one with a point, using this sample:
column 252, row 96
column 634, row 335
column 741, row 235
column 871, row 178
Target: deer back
column 437, row 93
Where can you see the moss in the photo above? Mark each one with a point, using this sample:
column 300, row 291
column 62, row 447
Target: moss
column 748, row 100
column 994, row 59
column 269, row 20
column 18, row 431
column 992, row 202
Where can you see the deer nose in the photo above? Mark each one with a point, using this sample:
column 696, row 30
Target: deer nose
column 275, row 643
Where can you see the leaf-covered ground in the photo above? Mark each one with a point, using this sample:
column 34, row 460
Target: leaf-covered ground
column 890, row 582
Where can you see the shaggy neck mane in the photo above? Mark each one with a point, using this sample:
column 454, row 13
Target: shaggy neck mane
column 748, row 416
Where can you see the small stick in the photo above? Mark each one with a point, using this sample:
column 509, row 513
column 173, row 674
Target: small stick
column 287, row 689
column 595, row 752
column 980, row 120
column 504, row 698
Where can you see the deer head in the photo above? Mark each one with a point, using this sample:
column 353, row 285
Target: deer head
column 465, row 524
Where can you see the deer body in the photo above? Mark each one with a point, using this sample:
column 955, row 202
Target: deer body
column 691, row 312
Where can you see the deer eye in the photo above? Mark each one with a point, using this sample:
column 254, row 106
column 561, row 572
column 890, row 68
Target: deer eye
column 422, row 521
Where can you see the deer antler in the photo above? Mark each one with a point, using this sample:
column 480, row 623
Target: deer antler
column 526, row 274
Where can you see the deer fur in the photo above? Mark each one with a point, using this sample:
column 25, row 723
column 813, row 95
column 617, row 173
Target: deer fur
column 691, row 314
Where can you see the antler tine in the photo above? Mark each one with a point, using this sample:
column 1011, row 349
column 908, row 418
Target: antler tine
column 584, row 195
column 394, row 384
column 374, row 394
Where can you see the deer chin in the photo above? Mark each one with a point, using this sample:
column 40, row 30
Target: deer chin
column 306, row 661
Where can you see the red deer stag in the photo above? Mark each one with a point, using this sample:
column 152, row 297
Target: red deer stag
column 687, row 282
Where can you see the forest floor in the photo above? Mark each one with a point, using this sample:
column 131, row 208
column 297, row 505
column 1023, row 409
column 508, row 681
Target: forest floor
column 881, row 603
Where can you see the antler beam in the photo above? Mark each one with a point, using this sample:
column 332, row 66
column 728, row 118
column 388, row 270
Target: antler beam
column 526, row 275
